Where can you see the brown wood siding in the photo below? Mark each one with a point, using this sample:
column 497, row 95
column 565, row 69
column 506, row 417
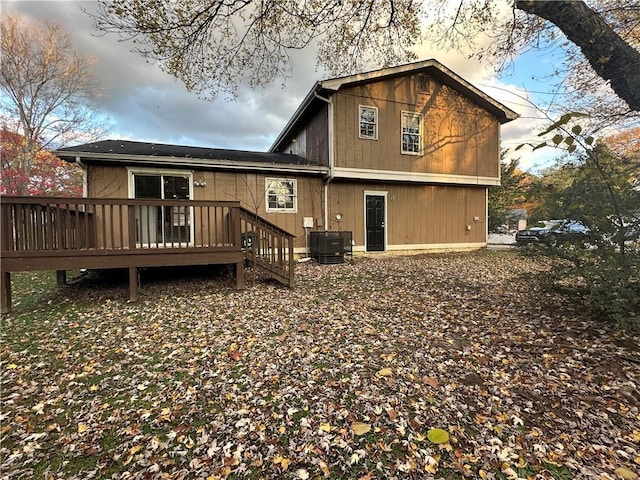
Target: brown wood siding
column 104, row 181
column 312, row 141
column 416, row 214
column 247, row 188
column 107, row 181
column 459, row 137
column 318, row 137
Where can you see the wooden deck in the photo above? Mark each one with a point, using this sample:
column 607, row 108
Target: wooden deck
column 54, row 233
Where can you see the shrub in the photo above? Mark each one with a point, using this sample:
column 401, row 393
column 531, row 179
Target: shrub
column 602, row 279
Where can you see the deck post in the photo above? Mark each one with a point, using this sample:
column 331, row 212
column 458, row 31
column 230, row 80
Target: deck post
column 292, row 264
column 5, row 292
column 240, row 275
column 61, row 277
column 133, row 284
column 236, row 234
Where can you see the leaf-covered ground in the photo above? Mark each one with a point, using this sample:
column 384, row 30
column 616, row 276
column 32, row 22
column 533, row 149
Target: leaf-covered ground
column 426, row 366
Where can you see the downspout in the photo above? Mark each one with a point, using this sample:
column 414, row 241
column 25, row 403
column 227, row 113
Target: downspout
column 85, row 179
column 329, row 178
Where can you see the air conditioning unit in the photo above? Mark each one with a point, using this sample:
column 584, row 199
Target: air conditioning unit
column 329, row 247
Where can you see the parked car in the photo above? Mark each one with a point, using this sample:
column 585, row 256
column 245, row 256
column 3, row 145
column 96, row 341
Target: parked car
column 554, row 233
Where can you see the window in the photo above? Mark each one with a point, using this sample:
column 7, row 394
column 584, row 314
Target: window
column 368, row 122
column 411, row 133
column 281, row 195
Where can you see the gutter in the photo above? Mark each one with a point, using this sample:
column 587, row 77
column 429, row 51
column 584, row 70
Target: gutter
column 330, row 176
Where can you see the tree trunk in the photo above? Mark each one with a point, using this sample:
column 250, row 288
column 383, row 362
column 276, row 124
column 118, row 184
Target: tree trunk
column 610, row 56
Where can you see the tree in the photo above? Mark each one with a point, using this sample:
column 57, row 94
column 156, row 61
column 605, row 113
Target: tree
column 48, row 91
column 626, row 146
column 599, row 187
column 212, row 45
column 48, row 176
column 508, row 195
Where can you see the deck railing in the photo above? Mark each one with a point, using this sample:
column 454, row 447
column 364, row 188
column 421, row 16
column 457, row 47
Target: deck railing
column 55, row 233
column 37, row 224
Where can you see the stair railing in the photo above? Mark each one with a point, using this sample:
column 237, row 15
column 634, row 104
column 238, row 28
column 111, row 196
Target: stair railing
column 267, row 247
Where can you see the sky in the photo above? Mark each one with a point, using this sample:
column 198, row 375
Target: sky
column 143, row 103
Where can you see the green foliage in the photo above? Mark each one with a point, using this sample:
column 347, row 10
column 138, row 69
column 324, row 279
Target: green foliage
column 559, row 472
column 505, row 196
column 601, row 279
column 599, row 189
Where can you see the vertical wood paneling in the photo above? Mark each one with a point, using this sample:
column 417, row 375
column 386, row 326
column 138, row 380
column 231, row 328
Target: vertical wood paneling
column 416, row 214
column 317, row 137
column 459, row 137
column 246, row 187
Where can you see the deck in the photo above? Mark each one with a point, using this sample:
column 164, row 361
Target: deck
column 55, row 233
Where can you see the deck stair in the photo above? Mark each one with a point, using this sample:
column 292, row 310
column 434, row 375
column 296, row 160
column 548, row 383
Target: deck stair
column 267, row 248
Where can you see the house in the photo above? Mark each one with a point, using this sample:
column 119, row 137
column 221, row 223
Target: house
column 401, row 158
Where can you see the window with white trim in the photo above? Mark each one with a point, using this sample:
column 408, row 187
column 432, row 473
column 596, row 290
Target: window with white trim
column 368, row 122
column 281, row 194
column 411, row 133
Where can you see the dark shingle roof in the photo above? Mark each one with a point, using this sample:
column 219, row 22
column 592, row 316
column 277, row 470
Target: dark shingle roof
column 143, row 149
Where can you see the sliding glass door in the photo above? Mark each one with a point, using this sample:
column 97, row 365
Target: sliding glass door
column 163, row 224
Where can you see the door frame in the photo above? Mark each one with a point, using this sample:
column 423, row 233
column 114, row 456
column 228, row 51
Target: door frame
column 376, row 193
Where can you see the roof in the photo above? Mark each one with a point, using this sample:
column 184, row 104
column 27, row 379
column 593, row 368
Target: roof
column 435, row 69
column 129, row 152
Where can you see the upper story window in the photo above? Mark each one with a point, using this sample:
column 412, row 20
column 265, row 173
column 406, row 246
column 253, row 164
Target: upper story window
column 368, row 122
column 411, row 133
column 281, row 195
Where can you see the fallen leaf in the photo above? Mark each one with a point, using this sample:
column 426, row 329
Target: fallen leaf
column 438, row 436
column 625, row 473
column 302, row 474
column 385, row 372
column 432, row 382
column 324, row 467
column 284, row 462
column 360, row 428
column 135, row 449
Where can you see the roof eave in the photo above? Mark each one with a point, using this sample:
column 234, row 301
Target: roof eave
column 502, row 112
column 192, row 162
